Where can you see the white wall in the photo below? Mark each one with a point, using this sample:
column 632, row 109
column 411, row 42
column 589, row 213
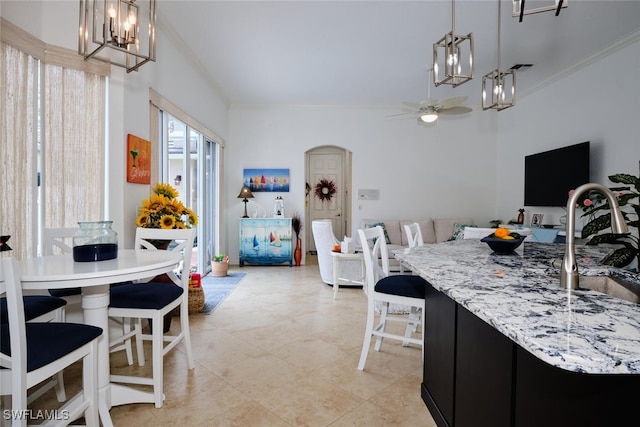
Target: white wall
column 421, row 172
column 172, row 75
column 599, row 103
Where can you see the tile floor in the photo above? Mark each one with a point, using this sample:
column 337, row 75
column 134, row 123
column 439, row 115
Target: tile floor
column 280, row 351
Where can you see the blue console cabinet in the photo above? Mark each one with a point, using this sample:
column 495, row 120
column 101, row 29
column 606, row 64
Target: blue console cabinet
column 266, row 241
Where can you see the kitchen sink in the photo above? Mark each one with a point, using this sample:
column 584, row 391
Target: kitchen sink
column 615, row 287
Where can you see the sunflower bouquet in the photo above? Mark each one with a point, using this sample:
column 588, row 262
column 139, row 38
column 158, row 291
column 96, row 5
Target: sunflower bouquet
column 163, row 210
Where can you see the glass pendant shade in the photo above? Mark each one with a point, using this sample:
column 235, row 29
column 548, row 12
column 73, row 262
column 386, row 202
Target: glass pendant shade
column 117, row 32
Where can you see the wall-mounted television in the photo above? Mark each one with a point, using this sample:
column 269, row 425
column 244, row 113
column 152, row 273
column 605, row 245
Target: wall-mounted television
column 548, row 176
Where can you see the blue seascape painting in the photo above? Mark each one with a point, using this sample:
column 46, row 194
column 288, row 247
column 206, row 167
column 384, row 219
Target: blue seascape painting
column 269, row 180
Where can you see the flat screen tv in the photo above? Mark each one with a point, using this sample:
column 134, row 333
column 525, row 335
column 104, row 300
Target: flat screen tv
column 548, row 176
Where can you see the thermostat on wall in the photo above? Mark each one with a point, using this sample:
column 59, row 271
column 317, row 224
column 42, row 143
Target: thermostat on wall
column 368, row 194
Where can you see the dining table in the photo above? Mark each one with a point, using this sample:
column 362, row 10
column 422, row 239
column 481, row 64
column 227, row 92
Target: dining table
column 94, row 278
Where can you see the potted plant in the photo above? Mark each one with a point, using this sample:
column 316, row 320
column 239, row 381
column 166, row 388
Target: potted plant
column 628, row 199
column 220, row 265
column 296, row 224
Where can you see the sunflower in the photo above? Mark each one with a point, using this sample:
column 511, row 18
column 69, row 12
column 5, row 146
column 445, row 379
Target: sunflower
column 142, row 220
column 166, row 190
column 167, row 221
column 155, row 203
column 163, row 210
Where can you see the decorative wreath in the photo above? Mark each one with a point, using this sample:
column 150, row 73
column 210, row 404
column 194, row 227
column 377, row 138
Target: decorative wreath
column 325, row 189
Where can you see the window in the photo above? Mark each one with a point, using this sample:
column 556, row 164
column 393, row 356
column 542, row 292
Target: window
column 52, row 141
column 189, row 156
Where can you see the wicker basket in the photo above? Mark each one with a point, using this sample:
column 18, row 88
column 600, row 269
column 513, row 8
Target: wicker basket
column 219, row 269
column 196, row 300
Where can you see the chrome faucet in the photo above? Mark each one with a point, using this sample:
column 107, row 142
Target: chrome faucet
column 569, row 271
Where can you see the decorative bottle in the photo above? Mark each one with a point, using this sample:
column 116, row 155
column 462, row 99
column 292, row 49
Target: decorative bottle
column 95, row 241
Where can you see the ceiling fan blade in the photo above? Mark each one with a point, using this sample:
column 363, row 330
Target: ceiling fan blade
column 456, row 110
column 413, row 113
column 414, row 105
column 452, row 102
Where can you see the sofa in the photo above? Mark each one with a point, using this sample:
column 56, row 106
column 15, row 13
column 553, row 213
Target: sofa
column 434, row 230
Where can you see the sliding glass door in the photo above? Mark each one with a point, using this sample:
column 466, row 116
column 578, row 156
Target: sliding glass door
column 189, row 163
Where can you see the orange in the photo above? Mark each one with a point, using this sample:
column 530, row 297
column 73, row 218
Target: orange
column 501, row 233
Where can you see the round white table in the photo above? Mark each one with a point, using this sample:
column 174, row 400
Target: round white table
column 60, row 271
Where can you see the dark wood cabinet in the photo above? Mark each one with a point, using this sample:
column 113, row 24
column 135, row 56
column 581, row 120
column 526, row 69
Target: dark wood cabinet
column 439, row 354
column 474, row 376
column 484, row 364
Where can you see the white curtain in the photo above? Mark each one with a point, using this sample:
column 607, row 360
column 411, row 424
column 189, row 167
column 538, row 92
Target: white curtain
column 73, row 147
column 57, row 129
column 18, row 149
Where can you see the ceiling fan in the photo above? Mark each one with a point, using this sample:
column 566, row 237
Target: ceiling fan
column 428, row 111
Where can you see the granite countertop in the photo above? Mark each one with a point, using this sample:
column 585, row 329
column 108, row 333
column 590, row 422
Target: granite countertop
column 520, row 296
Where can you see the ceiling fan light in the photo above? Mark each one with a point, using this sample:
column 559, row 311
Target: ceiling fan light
column 429, row 117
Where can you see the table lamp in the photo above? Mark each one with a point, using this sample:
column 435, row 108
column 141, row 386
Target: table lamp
column 245, row 193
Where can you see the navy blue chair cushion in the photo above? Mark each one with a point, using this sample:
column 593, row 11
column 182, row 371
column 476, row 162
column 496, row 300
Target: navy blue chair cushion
column 65, row 292
column 34, row 306
column 149, row 295
column 403, row 285
column 47, row 342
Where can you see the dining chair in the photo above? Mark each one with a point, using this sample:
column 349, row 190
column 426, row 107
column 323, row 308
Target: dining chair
column 385, row 289
column 414, row 234
column 41, row 308
column 154, row 300
column 31, row 352
column 59, row 241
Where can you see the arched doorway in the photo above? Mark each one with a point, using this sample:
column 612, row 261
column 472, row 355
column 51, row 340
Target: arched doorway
column 328, row 164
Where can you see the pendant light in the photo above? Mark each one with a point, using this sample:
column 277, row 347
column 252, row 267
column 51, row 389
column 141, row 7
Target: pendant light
column 453, row 56
column 499, row 87
column 116, row 32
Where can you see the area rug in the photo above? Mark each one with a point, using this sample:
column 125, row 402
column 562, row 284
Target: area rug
column 217, row 289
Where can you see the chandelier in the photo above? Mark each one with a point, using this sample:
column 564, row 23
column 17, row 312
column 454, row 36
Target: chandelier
column 456, row 60
column 110, row 31
column 519, row 9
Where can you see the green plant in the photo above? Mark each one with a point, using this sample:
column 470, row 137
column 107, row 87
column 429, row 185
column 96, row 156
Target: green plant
column 220, row 258
column 627, row 193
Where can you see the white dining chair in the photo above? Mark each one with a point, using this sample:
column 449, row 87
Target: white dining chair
column 388, row 289
column 413, row 234
column 154, row 300
column 31, row 352
column 60, row 241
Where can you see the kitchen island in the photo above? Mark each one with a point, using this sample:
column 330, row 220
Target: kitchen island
column 505, row 345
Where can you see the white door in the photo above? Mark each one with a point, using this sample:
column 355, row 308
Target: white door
column 326, row 165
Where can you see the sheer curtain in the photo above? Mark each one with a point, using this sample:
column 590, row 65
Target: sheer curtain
column 18, row 150
column 73, row 147
column 52, row 138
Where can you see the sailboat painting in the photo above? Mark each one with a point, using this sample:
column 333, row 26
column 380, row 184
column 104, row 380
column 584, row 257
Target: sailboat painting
column 270, row 180
column 266, row 241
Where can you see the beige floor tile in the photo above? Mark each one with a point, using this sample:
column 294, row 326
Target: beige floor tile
column 279, row 351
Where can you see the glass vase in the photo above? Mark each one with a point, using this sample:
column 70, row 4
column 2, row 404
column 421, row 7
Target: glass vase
column 95, row 241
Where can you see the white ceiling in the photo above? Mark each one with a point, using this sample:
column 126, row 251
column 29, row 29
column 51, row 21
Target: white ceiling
column 376, row 52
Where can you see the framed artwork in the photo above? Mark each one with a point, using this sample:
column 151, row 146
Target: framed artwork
column 138, row 160
column 536, row 220
column 270, row 180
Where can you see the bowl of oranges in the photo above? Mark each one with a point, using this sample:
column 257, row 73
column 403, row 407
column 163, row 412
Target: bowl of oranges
column 503, row 240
